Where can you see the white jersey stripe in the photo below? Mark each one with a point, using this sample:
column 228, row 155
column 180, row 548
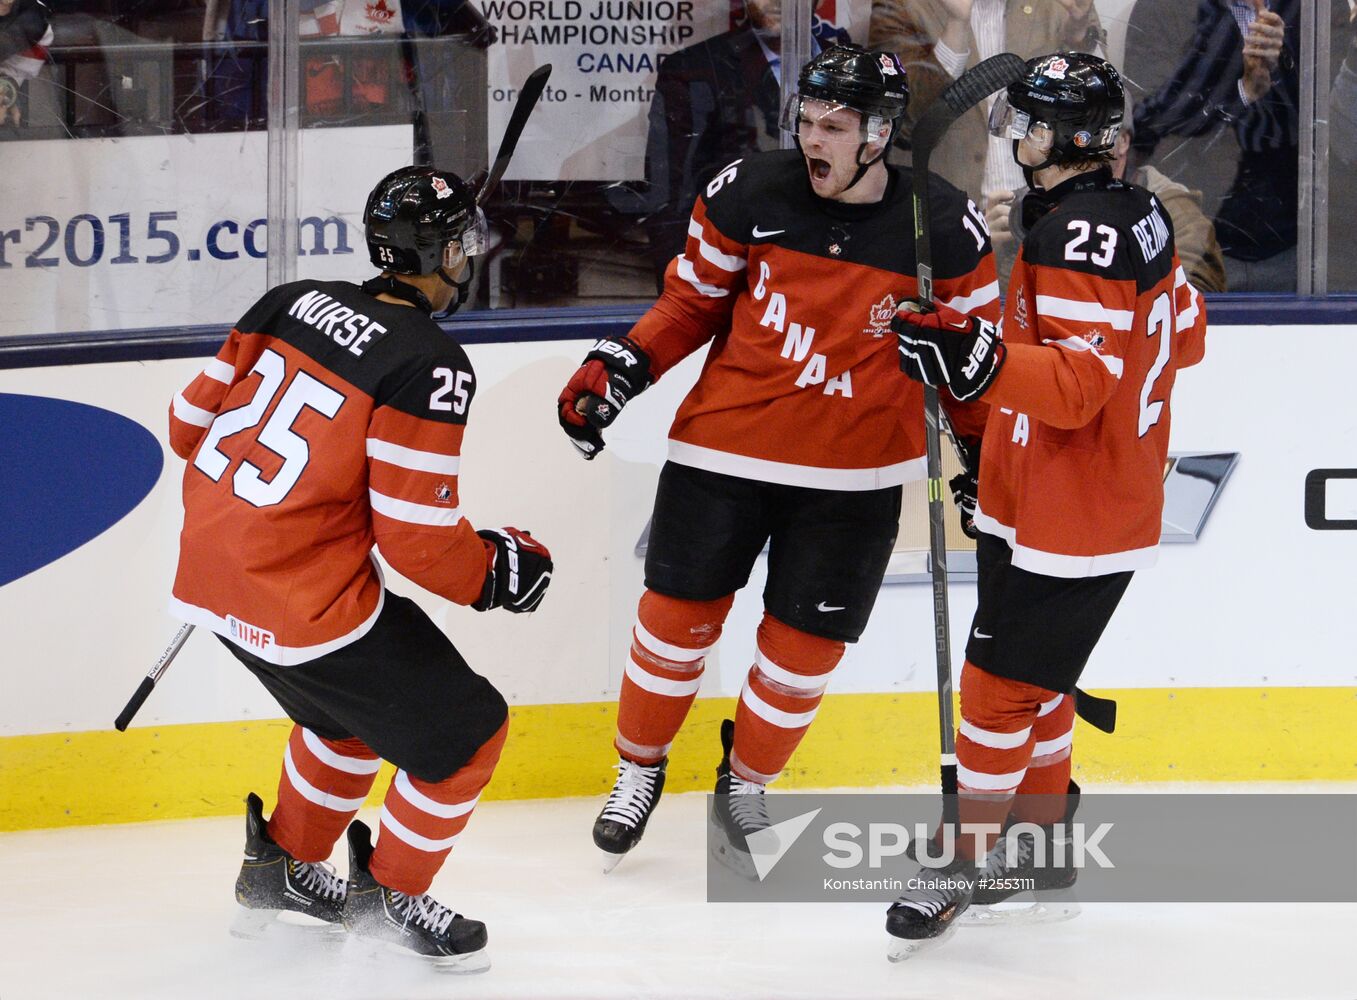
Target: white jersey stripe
column 688, row 274
column 410, row 458
column 1189, row 315
column 787, row 474
column 1111, row 362
column 982, row 296
column 1088, row 312
column 413, row 513
column 190, row 414
column 389, row 824
column 219, row 371
column 1066, row 566
column 284, row 656
column 725, row 261
column 350, row 765
column 313, row 794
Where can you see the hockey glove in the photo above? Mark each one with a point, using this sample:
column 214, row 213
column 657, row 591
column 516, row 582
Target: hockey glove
column 949, row 348
column 519, row 575
column 966, row 486
column 613, row 372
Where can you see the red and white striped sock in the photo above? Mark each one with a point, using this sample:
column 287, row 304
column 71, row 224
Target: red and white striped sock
column 322, row 785
column 421, row 820
column 994, row 746
column 664, row 671
column 780, row 698
column 1041, row 796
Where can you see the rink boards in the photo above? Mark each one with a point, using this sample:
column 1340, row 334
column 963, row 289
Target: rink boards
column 1230, row 658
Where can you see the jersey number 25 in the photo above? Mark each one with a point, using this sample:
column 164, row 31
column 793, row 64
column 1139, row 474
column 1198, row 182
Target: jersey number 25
column 276, row 435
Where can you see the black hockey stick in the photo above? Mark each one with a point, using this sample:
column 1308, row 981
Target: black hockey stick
column 964, row 93
column 148, row 682
column 527, row 100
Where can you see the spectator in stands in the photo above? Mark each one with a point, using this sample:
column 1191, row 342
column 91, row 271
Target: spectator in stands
column 715, row 101
column 1194, row 234
column 1240, row 72
column 25, row 33
column 938, row 40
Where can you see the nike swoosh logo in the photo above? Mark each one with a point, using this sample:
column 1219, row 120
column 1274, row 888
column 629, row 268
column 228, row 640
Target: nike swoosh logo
column 981, row 635
column 772, row 232
column 822, row 606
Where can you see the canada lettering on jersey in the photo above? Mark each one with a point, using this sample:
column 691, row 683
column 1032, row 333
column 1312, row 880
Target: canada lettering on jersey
column 797, row 345
column 345, row 326
column 1152, row 233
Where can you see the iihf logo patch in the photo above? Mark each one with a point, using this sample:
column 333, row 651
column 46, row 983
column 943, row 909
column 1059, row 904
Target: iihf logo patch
column 443, row 493
column 1056, row 71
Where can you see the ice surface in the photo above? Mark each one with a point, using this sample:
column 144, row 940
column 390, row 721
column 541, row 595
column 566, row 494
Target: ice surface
column 142, row 911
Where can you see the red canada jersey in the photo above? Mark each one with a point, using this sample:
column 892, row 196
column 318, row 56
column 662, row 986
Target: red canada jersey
column 1099, row 319
column 328, row 422
column 802, row 384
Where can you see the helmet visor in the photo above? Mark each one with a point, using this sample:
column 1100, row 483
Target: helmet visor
column 810, row 119
column 1008, row 122
column 474, row 240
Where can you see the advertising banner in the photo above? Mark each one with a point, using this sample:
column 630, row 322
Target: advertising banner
column 152, row 231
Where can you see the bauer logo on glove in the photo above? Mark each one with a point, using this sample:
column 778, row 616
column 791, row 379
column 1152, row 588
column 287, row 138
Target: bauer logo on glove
column 614, row 371
column 944, row 347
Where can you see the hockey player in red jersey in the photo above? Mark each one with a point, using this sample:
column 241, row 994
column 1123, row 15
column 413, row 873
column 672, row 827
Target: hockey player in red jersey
column 798, row 434
column 330, row 423
column 1098, row 320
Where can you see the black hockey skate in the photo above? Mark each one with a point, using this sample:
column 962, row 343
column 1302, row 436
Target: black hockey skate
column 1014, row 889
column 272, row 882
column 927, row 913
column 738, row 811
column 623, row 820
column 413, row 925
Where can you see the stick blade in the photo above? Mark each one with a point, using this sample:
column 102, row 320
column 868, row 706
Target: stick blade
column 965, row 92
column 528, row 95
column 983, row 79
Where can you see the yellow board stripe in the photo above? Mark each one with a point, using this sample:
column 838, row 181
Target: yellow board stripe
column 858, row 740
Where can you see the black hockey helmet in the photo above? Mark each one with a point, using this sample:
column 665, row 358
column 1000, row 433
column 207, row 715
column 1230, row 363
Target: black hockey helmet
column 1077, row 96
column 872, row 82
column 419, row 219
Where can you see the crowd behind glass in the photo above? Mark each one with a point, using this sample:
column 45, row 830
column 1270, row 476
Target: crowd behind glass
column 1213, row 119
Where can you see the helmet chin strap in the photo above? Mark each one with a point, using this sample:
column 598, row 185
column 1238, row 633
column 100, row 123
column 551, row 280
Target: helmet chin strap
column 864, row 167
column 462, row 287
column 1029, row 173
